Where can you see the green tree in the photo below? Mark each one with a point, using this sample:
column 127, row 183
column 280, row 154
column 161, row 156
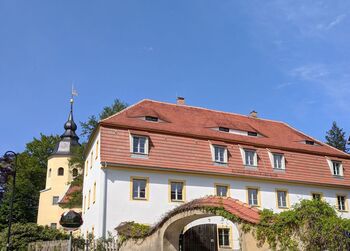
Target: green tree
column 23, row 234
column 30, row 179
column 336, row 137
column 88, row 127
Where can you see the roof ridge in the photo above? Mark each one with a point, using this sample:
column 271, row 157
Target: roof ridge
column 212, row 110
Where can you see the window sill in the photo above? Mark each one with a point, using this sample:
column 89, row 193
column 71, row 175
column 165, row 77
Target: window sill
column 177, row 201
column 279, row 169
column 254, row 206
column 283, row 208
column 139, row 155
column 139, row 199
column 338, row 176
column 251, row 167
column 220, row 163
column 225, row 247
column 343, row 211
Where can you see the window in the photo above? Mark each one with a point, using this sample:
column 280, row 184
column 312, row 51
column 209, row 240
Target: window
column 220, row 154
column 337, row 168
column 316, row 196
column 84, row 208
column 341, row 202
column 224, row 237
column 60, row 171
column 86, row 167
column 309, row 142
column 91, row 158
column 282, row 199
column 151, row 118
column 278, row 161
column 53, row 225
column 88, row 203
column 55, row 200
column 139, row 144
column 49, row 174
column 224, row 129
column 139, row 188
column 96, row 155
column 75, row 172
column 177, row 190
column 222, row 190
column 252, row 134
column 94, row 194
column 253, row 197
column 250, row 158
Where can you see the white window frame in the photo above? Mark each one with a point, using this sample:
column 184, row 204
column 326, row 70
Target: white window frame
column 225, row 160
column 146, row 147
column 255, row 158
column 331, row 167
column 221, row 245
column 177, row 191
column 339, row 206
column 257, row 197
column 138, row 195
column 280, row 199
column 272, row 160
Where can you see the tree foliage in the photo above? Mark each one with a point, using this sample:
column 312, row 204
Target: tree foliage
column 309, row 225
column 336, row 137
column 30, row 179
column 23, row 234
column 88, row 127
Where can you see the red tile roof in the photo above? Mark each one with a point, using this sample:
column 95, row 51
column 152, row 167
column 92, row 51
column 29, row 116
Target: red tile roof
column 181, row 143
column 71, row 190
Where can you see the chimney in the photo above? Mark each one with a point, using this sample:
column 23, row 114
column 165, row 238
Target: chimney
column 180, row 101
column 253, row 114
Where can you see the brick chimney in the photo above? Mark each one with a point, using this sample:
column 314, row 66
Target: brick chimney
column 180, row 101
column 253, row 114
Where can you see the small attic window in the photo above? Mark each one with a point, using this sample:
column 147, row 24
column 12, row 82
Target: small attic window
column 255, row 134
column 151, row 118
column 224, row 129
column 309, row 142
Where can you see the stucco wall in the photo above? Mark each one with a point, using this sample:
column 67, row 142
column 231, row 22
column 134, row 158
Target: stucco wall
column 119, row 206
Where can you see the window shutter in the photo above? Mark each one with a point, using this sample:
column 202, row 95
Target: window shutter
column 242, row 154
column 146, row 145
column 131, row 139
column 225, row 155
column 256, row 158
column 271, row 158
column 212, row 152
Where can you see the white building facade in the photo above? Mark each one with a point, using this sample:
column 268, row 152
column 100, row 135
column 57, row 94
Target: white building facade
column 141, row 163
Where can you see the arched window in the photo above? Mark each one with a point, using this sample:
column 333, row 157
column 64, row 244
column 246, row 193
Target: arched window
column 60, row 171
column 49, row 173
column 75, row 172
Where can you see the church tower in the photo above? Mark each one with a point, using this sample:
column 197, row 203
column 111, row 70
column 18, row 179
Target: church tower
column 58, row 175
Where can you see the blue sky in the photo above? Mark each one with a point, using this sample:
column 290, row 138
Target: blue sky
column 289, row 60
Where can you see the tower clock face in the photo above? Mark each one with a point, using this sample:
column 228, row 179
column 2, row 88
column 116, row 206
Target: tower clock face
column 64, row 146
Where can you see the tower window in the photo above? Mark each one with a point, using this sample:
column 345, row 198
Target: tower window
column 75, row 172
column 49, row 175
column 60, row 171
column 55, row 200
column 151, row 118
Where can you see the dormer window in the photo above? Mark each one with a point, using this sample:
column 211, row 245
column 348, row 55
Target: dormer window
column 278, row 161
column 309, row 142
column 224, row 129
column 255, row 134
column 151, row 118
column 250, row 157
column 219, row 154
column 139, row 144
column 337, row 168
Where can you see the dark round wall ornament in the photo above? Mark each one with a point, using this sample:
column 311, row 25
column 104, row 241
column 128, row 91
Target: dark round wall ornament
column 71, row 220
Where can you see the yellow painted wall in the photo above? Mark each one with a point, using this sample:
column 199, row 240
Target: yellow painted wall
column 55, row 186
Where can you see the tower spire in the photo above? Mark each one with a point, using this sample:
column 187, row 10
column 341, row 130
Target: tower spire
column 69, row 138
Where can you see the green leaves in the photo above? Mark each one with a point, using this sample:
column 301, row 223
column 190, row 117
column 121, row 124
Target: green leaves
column 310, row 225
column 23, row 234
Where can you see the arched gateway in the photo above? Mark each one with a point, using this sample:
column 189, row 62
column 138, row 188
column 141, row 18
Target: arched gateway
column 167, row 234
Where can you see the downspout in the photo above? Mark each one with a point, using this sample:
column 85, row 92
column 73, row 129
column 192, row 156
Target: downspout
column 104, row 199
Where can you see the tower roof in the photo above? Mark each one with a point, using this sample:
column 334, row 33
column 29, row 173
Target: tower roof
column 69, row 138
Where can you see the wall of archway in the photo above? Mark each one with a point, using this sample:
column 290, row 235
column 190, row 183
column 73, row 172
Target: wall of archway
column 165, row 235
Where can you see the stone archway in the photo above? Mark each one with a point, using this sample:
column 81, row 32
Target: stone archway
column 165, row 235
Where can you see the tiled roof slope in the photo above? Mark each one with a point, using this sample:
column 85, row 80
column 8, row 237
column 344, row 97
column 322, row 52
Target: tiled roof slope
column 182, row 141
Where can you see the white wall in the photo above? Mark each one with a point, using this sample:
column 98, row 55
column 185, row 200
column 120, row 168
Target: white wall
column 121, row 208
column 92, row 215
